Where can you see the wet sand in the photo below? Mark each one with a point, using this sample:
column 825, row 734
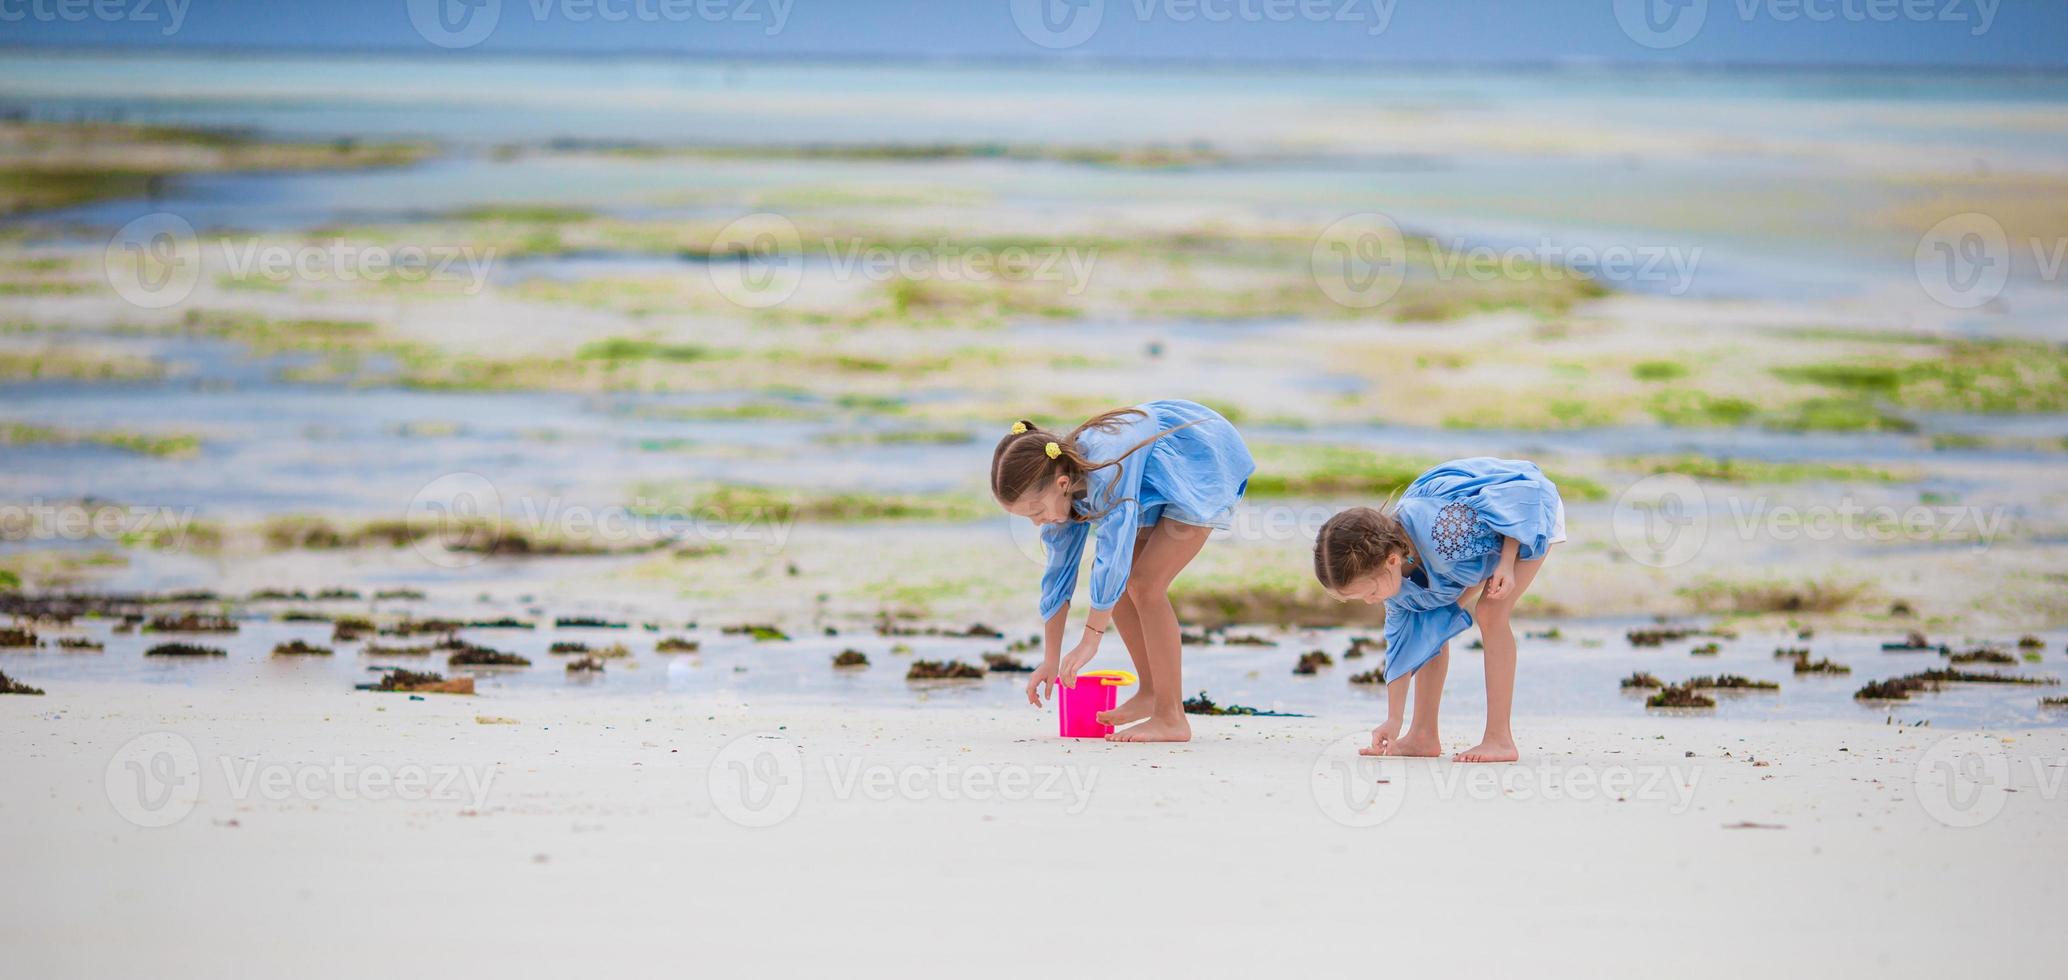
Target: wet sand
column 599, row 844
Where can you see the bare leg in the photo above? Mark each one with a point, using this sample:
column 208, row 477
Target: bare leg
column 1421, row 738
column 1171, row 546
column 1129, row 624
column 1499, row 639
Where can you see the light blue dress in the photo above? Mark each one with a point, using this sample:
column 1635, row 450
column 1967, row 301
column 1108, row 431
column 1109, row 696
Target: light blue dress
column 1194, row 475
column 1456, row 515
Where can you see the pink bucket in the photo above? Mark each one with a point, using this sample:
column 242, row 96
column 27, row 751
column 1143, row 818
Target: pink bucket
column 1078, row 705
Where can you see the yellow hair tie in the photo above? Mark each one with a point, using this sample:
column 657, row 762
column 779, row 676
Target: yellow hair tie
column 1019, row 428
column 1052, row 450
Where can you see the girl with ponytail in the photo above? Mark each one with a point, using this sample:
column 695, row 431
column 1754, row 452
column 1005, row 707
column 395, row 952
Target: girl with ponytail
column 1150, row 483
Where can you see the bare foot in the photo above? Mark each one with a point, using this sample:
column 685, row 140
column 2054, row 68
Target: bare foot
column 1155, row 730
column 1134, row 709
column 1491, row 750
column 1420, row 745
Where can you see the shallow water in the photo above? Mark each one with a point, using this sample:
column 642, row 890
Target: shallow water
column 1576, row 676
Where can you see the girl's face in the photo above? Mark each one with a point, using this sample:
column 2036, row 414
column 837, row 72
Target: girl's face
column 1050, row 504
column 1379, row 586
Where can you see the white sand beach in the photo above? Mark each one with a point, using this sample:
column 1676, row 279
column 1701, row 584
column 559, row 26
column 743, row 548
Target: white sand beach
column 326, row 833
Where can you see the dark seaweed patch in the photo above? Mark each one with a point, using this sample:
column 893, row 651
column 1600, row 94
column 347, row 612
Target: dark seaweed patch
column 1981, row 655
column 1729, row 682
column 1005, row 663
column 469, row 655
column 1679, row 696
column 1312, row 661
column 761, row 632
column 585, row 665
column 9, row 685
column 78, row 643
column 1642, row 681
column 586, row 622
column 20, row 637
column 850, row 658
column 185, row 650
column 293, row 648
column 190, row 623
column 568, row 646
column 676, row 644
column 929, row 670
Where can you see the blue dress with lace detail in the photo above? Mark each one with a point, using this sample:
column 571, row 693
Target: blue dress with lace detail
column 1456, row 515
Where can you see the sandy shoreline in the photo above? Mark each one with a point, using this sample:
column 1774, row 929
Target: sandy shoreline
column 593, row 836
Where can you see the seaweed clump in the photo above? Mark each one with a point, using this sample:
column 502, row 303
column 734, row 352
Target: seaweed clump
column 378, row 650
column 1642, row 681
column 15, row 636
column 585, row 622
column 933, row 670
column 185, row 650
column 190, row 623
column 850, row 658
column 1657, row 637
column 1359, row 645
column 1729, row 682
column 1707, row 650
column 1679, row 696
column 1804, row 665
column 585, row 665
column 2030, row 642
column 1005, row 663
column 1376, row 676
column 1312, row 661
column 420, row 682
column 347, row 629
column 676, row 644
column 1981, row 655
column 298, row 648
column 1900, row 688
column 469, row 655
column 9, row 685
column 1913, row 642
column 568, row 646
column 78, row 643
column 761, row 632
column 1203, row 705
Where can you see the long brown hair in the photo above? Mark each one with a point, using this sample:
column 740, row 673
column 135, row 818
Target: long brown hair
column 1021, row 462
column 1355, row 543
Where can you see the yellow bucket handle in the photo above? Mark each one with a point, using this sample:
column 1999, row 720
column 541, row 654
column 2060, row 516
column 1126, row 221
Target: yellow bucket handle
column 1113, row 678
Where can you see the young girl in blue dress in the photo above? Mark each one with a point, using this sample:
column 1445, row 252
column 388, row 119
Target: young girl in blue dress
column 1150, row 483
column 1470, row 530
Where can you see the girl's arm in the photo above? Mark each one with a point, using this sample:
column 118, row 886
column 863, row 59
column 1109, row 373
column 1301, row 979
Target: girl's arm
column 1503, row 577
column 1041, row 683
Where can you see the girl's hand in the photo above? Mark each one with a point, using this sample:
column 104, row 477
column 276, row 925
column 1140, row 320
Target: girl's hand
column 1503, row 578
column 1086, row 649
column 1382, row 739
column 1042, row 683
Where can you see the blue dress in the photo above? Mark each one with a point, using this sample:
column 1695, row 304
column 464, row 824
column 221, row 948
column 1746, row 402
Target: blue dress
column 1194, row 475
column 1456, row 515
